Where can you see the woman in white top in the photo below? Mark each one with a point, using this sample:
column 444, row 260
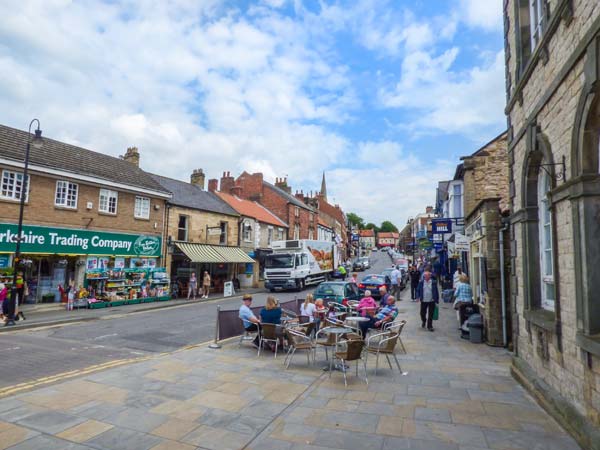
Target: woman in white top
column 308, row 308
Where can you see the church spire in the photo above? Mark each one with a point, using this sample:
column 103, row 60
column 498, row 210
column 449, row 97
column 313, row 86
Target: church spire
column 324, row 188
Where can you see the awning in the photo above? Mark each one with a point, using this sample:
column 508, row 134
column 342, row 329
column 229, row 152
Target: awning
column 205, row 253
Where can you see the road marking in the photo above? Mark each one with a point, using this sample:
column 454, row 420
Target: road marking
column 11, row 390
column 105, row 336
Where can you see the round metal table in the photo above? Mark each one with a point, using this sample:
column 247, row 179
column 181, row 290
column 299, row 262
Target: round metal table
column 337, row 331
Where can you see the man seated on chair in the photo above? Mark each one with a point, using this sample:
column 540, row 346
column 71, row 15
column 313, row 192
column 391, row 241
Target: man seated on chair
column 250, row 321
column 385, row 315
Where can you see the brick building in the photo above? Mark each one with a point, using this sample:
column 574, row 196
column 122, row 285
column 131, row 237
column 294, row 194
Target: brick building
column 77, row 203
column 553, row 106
column 388, row 239
column 366, row 241
column 486, row 202
column 300, row 218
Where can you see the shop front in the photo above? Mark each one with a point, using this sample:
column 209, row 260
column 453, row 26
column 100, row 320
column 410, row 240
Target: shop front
column 53, row 258
column 223, row 263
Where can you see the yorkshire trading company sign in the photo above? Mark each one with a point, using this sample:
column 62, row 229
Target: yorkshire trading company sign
column 441, row 226
column 36, row 239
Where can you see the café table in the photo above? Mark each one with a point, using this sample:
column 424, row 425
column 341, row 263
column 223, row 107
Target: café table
column 355, row 320
column 337, row 331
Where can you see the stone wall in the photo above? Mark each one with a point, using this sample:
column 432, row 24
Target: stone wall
column 544, row 105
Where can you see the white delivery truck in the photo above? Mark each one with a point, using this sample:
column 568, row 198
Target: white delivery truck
column 298, row 263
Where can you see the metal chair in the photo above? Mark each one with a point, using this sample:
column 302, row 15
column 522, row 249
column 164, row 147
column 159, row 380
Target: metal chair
column 396, row 326
column 353, row 352
column 246, row 335
column 303, row 319
column 331, row 322
column 383, row 343
column 298, row 341
column 268, row 334
column 328, row 341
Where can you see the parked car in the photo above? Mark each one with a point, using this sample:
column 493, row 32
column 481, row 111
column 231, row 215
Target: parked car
column 361, row 263
column 337, row 291
column 366, row 262
column 373, row 283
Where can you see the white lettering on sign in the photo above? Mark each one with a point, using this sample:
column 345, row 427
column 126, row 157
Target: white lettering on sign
column 441, row 227
column 110, row 243
column 27, row 238
column 72, row 240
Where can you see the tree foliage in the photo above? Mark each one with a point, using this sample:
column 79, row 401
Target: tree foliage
column 356, row 220
column 387, row 227
column 371, row 226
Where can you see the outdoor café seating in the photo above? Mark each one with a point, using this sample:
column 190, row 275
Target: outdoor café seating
column 383, row 343
column 353, row 352
column 298, row 341
column 271, row 334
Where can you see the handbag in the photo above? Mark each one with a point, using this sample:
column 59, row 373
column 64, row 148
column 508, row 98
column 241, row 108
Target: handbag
column 436, row 313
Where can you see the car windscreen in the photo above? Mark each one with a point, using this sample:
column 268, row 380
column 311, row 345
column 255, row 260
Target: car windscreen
column 329, row 289
column 374, row 279
column 279, row 261
column 387, row 272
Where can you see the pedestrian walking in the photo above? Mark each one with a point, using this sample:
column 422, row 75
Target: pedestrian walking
column 463, row 295
column 415, row 277
column 456, row 277
column 205, row 284
column 428, row 295
column 395, row 286
column 192, row 286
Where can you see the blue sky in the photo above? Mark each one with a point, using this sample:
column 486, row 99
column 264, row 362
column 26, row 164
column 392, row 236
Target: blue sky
column 384, row 96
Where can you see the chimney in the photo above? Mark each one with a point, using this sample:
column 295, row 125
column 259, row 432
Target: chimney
column 236, row 190
column 197, row 178
column 299, row 196
column 227, row 182
column 281, row 183
column 429, row 210
column 132, row 156
column 213, row 185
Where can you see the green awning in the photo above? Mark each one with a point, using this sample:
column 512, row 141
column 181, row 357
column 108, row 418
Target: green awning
column 205, row 253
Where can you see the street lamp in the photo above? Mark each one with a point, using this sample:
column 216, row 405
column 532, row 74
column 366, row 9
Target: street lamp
column 37, row 142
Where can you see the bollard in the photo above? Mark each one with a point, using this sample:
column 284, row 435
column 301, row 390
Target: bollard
column 215, row 343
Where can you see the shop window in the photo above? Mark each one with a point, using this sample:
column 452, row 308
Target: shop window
column 108, row 201
column 182, row 228
column 269, row 235
column 12, row 185
column 223, row 236
column 142, row 208
column 66, row 194
column 545, row 245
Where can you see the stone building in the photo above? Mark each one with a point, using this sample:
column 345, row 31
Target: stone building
column 201, row 233
column 552, row 53
column 76, row 201
column 485, row 181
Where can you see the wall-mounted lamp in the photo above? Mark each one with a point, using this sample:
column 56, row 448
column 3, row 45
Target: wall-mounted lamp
column 561, row 175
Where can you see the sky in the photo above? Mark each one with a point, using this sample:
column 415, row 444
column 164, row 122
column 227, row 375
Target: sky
column 382, row 96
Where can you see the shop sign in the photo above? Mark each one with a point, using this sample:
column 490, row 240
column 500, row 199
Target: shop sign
column 4, row 261
column 441, row 226
column 461, row 242
column 37, row 239
column 438, row 246
column 425, row 244
column 228, row 289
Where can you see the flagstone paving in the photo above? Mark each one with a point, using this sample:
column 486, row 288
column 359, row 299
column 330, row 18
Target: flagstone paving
column 456, row 396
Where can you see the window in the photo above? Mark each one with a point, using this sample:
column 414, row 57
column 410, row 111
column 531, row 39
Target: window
column 280, row 235
column 312, row 217
column 108, row 201
column 546, row 257
column 12, row 185
column 182, row 228
column 66, row 194
column 536, row 21
column 247, row 231
column 269, row 235
column 223, row 236
column 297, row 211
column 457, row 201
column 142, row 208
column 296, row 231
column 310, row 234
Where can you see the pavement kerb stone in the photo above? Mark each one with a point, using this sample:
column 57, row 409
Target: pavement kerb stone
column 118, row 313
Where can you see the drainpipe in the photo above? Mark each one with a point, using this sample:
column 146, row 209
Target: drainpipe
column 502, row 283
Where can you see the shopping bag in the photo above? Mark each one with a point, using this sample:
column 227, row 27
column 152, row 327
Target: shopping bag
column 436, row 313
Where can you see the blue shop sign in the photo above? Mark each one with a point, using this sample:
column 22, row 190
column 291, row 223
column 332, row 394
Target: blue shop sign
column 438, row 246
column 4, row 261
column 441, row 226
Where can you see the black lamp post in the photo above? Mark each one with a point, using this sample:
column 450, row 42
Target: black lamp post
column 37, row 141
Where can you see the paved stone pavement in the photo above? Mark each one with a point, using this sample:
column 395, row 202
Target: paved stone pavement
column 456, row 396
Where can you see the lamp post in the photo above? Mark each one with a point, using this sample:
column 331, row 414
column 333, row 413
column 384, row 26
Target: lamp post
column 37, row 141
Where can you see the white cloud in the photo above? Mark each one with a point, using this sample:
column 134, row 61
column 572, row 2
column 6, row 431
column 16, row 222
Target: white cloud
column 485, row 14
column 447, row 100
